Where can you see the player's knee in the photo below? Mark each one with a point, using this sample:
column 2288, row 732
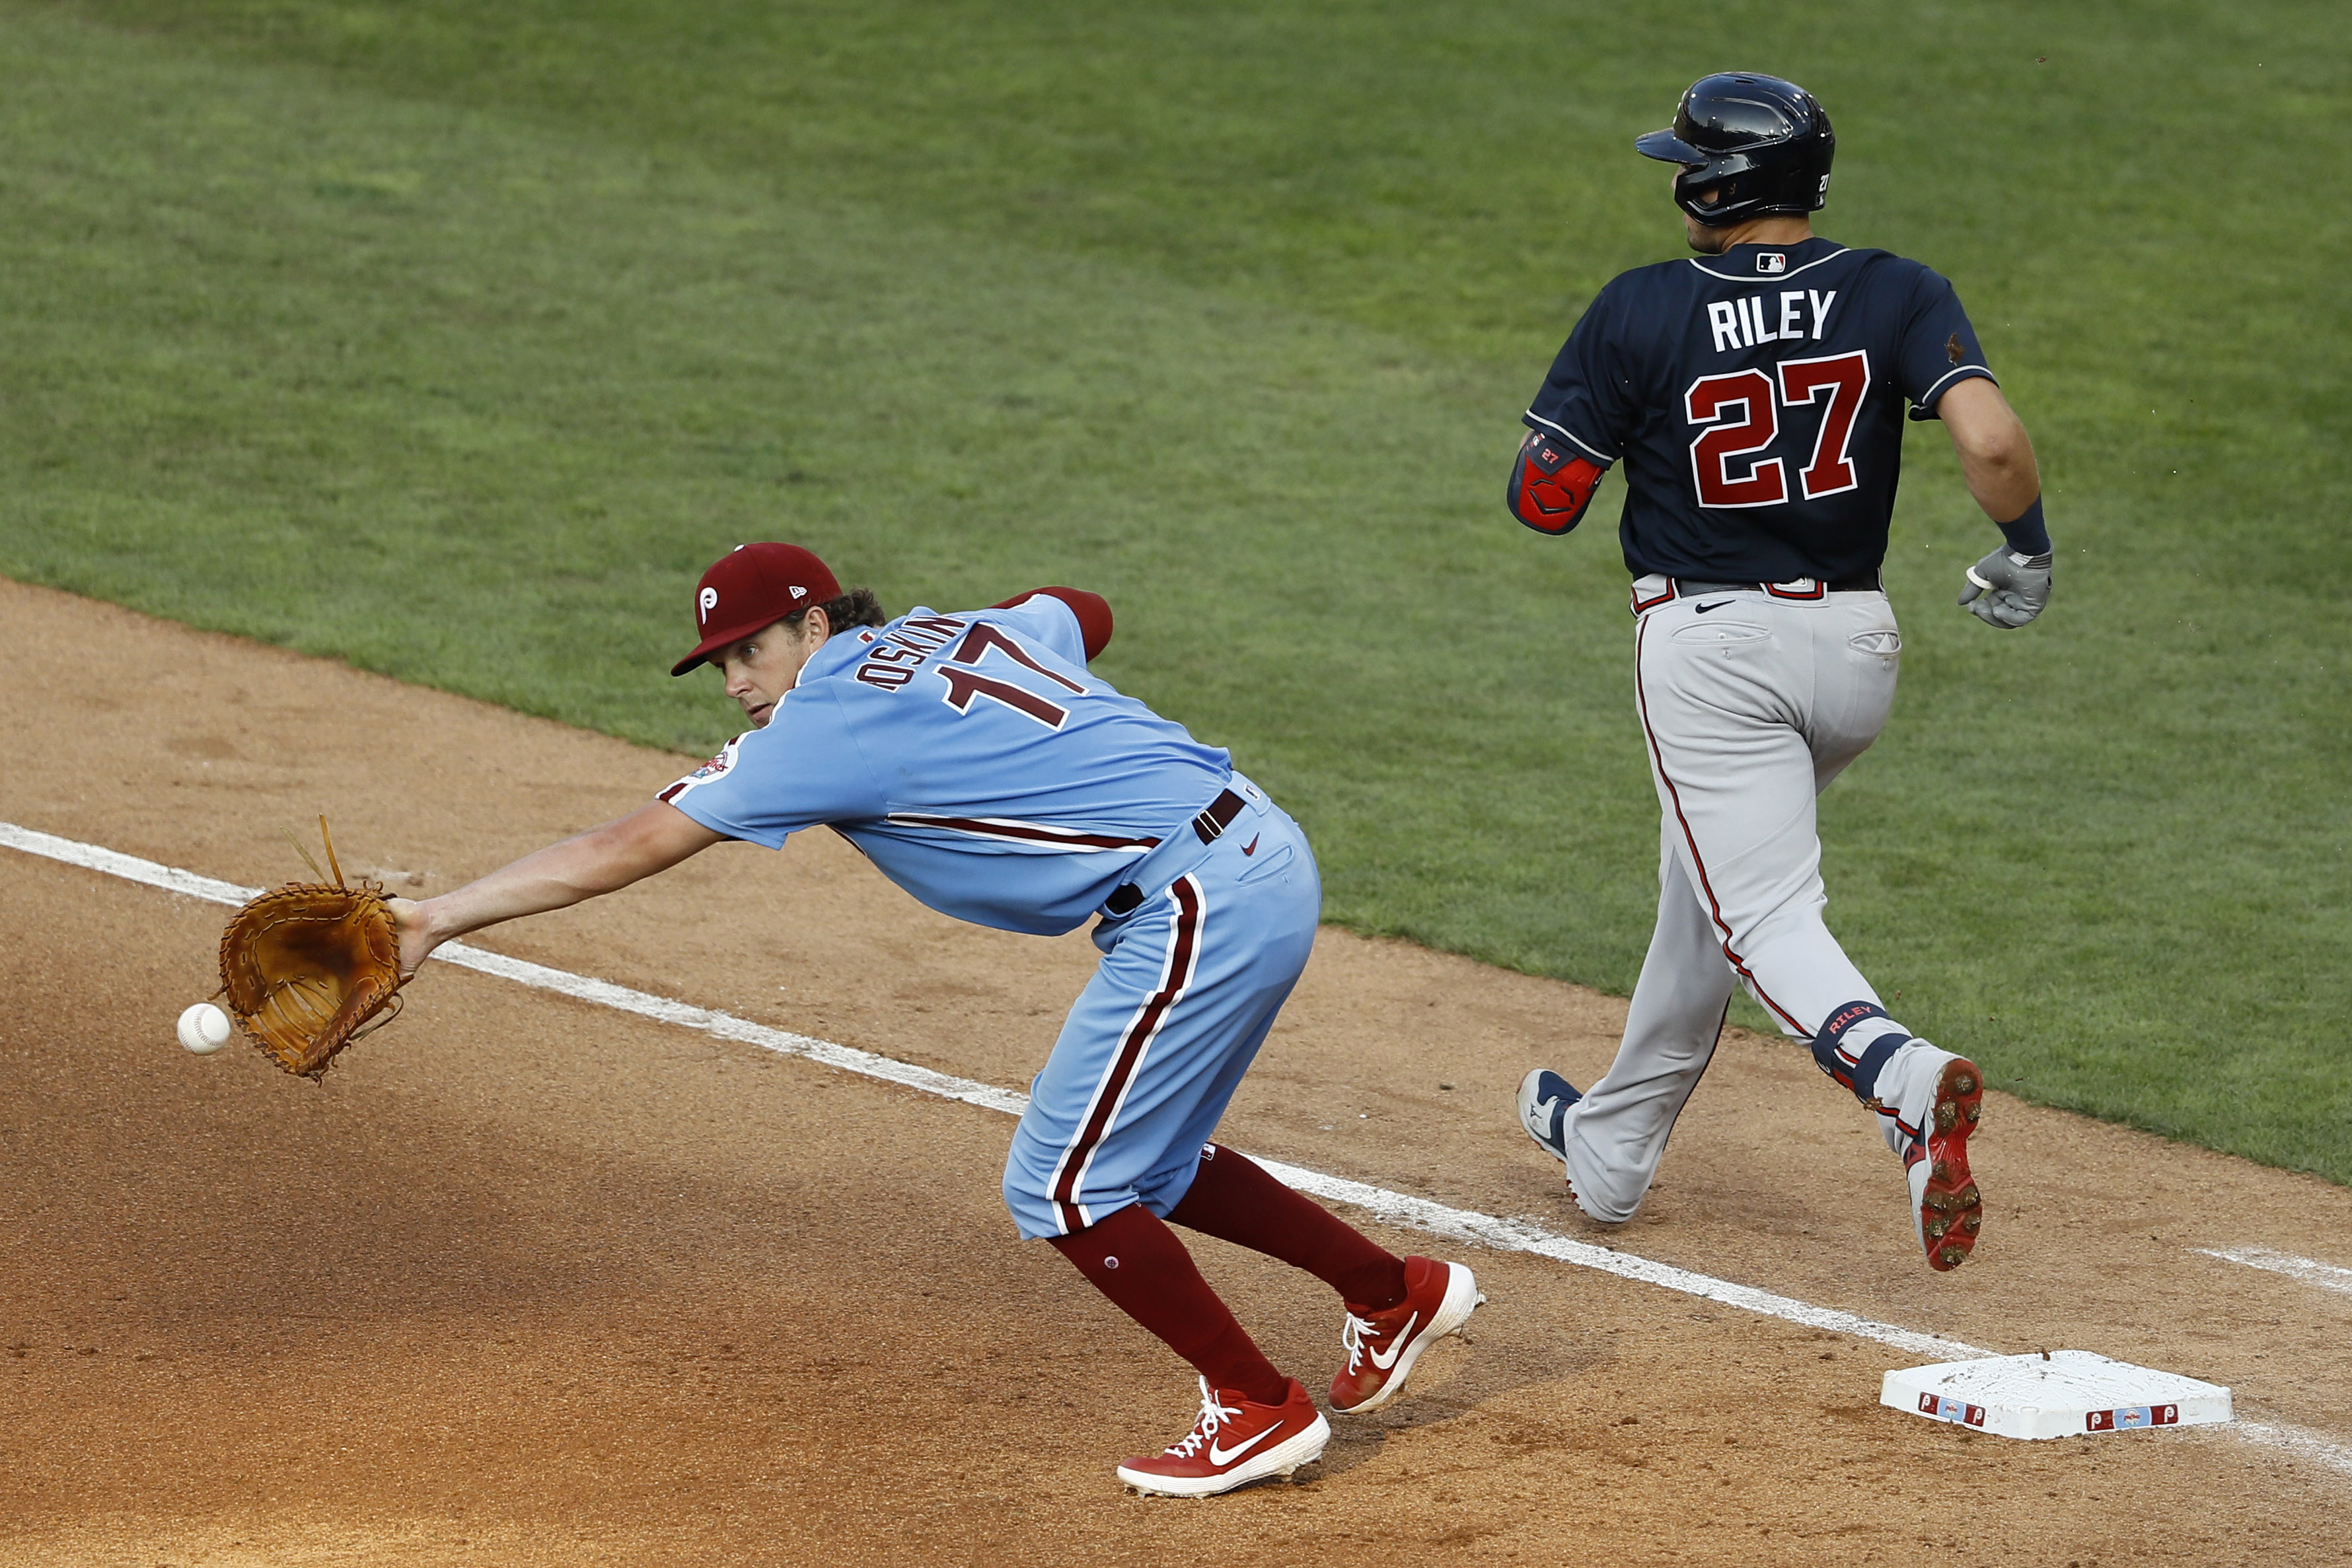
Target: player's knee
column 1028, row 1202
column 1025, row 1184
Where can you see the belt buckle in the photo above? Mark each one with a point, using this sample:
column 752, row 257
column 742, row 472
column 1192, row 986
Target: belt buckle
column 1208, row 826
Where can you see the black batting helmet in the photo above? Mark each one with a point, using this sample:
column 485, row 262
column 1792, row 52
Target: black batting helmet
column 1749, row 145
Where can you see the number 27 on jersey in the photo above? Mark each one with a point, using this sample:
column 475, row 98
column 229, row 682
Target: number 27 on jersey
column 1737, row 416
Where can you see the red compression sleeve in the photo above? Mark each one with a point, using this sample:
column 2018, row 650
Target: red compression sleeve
column 1092, row 610
column 1232, row 1198
column 1551, row 486
column 1135, row 1259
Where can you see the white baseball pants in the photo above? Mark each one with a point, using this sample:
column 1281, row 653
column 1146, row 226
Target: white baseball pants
column 1751, row 704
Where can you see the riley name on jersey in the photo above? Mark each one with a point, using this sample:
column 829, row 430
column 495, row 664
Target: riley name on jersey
column 1746, row 322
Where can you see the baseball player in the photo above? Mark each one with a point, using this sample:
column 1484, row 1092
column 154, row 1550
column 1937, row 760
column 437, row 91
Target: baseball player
column 1755, row 392
column 980, row 766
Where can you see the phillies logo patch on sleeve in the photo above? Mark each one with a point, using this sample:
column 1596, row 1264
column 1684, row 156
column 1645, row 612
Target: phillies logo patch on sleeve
column 716, row 767
column 1770, row 261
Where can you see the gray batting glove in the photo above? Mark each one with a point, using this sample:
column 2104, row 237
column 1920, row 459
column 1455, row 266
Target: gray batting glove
column 2008, row 589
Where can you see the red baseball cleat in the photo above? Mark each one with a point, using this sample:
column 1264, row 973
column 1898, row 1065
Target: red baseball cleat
column 1382, row 1346
column 1945, row 1203
column 1233, row 1443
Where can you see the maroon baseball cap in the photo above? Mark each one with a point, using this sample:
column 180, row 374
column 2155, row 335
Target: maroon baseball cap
column 751, row 587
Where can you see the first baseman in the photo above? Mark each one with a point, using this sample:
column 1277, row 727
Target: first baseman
column 982, row 766
column 1755, row 392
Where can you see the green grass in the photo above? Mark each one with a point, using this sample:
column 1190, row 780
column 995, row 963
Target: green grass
column 454, row 339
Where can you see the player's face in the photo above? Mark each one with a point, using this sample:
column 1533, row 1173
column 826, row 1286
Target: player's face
column 763, row 667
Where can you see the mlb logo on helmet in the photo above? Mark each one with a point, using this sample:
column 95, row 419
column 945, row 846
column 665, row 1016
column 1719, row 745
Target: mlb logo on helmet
column 760, row 584
column 1771, row 261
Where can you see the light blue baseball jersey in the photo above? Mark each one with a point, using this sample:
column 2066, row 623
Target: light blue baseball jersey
column 973, row 758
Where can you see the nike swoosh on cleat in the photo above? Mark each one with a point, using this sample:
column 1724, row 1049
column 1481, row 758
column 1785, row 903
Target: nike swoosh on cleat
column 1251, row 848
column 1221, row 1457
column 1397, row 1349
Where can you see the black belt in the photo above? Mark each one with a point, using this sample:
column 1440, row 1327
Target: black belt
column 1685, row 589
column 1208, row 826
column 1219, row 815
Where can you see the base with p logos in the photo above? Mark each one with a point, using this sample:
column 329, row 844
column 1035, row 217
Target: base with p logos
column 2053, row 1394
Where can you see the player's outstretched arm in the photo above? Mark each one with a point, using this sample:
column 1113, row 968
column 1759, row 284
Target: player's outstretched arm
column 653, row 838
column 2009, row 587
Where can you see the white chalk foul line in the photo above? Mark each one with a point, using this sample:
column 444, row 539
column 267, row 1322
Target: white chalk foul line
column 2310, row 1270
column 1393, row 1208
column 661, row 1009
column 1397, row 1208
column 1520, row 1236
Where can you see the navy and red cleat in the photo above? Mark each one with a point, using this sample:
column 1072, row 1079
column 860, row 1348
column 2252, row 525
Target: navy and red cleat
column 1544, row 1098
column 1233, row 1443
column 1382, row 1346
column 1945, row 1203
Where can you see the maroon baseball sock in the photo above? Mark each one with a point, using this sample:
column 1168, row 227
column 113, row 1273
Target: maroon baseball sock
column 1138, row 1262
column 1233, row 1199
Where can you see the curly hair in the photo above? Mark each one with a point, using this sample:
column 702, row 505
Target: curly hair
column 858, row 607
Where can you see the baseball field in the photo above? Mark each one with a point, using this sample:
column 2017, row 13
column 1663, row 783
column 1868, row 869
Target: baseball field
column 379, row 376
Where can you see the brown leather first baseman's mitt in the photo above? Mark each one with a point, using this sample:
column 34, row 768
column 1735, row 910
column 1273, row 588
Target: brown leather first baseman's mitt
column 303, row 966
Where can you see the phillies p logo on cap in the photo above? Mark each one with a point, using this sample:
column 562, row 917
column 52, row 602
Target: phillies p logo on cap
column 760, row 584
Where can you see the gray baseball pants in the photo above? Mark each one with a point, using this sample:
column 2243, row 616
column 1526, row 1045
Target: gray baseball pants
column 1751, row 704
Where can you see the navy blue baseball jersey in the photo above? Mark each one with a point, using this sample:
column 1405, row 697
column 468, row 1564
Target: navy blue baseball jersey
column 1755, row 399
column 973, row 758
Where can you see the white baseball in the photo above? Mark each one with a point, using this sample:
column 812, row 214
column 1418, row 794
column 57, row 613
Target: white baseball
column 204, row 1029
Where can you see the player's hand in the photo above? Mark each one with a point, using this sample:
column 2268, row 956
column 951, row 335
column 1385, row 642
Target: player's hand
column 414, row 923
column 2006, row 588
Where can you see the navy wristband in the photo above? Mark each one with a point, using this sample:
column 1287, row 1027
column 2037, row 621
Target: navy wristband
column 2025, row 532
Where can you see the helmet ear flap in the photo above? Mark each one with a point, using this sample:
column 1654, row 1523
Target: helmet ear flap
column 1756, row 143
column 1702, row 195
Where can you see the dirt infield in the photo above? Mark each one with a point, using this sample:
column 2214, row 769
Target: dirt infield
column 527, row 1280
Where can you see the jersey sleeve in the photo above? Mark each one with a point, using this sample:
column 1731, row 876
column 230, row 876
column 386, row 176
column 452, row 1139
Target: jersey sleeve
column 1079, row 634
column 1587, row 399
column 1940, row 348
column 804, row 769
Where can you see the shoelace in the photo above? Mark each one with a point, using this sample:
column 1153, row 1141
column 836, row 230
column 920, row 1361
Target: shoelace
column 1212, row 1417
column 1352, row 1335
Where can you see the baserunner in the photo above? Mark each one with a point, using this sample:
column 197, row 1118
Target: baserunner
column 1755, row 392
column 982, row 766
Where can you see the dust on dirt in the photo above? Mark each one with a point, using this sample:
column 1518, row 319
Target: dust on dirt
column 528, row 1280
